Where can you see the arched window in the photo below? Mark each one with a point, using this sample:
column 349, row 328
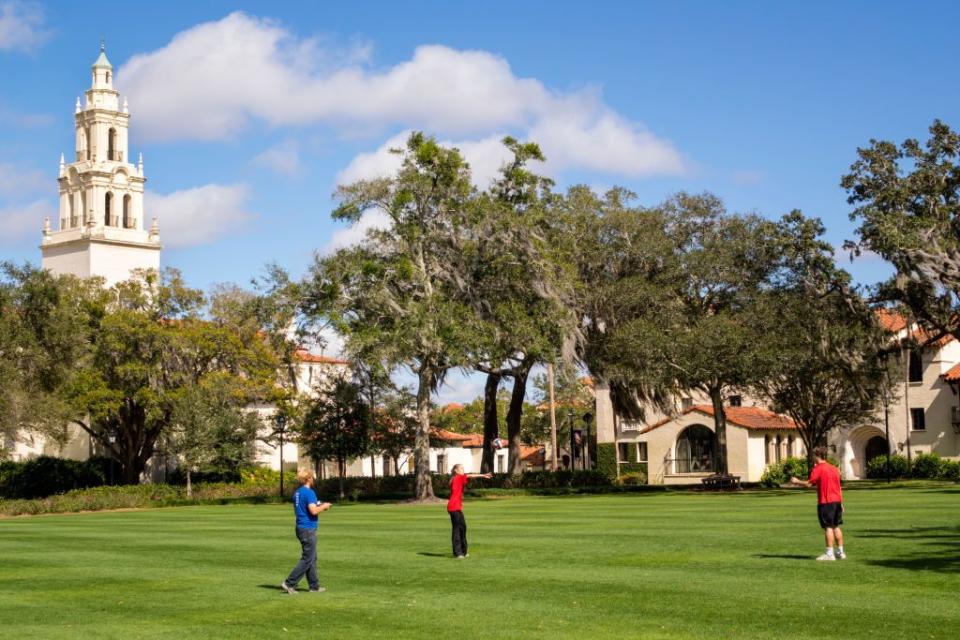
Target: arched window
column 790, row 452
column 695, row 450
column 108, row 77
column 86, row 137
column 107, row 201
column 83, row 206
column 127, row 220
column 112, row 145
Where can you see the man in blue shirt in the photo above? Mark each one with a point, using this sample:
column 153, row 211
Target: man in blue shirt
column 306, row 507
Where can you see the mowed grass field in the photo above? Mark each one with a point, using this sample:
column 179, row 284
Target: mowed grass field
column 658, row 565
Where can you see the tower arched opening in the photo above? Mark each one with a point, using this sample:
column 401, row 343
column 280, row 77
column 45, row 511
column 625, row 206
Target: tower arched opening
column 107, row 217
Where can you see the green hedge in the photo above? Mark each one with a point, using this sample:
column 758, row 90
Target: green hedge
column 45, row 476
column 877, row 467
column 138, row 496
column 781, row 472
column 390, row 487
column 607, row 459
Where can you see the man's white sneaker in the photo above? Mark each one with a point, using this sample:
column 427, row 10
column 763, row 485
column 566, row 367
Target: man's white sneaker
column 841, row 556
column 826, row 557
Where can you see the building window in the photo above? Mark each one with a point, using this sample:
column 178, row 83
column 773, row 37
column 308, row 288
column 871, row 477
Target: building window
column 127, row 220
column 107, row 202
column 641, row 452
column 111, row 144
column 916, row 367
column 686, row 402
column 386, row 465
column 441, row 463
column 790, row 446
column 917, row 420
column 501, row 466
column 695, row 450
column 766, row 449
column 778, row 449
column 735, row 401
column 624, row 451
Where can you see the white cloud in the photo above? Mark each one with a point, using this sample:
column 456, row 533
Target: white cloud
column 20, row 223
column 199, row 215
column 21, row 26
column 485, row 157
column 283, row 158
column 460, row 387
column 347, row 236
column 212, row 80
column 15, row 181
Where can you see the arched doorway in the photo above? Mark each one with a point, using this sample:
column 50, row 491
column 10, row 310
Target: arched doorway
column 875, row 447
column 694, row 453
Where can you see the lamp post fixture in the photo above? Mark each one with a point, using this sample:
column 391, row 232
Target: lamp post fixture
column 587, row 463
column 112, row 438
column 281, row 421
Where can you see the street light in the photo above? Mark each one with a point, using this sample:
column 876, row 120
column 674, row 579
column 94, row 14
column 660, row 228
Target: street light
column 587, row 418
column 281, row 422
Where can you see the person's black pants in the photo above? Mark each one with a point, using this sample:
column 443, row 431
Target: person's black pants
column 459, row 525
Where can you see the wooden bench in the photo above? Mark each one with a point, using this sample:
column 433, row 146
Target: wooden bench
column 720, row 482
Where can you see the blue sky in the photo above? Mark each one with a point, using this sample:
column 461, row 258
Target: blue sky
column 248, row 113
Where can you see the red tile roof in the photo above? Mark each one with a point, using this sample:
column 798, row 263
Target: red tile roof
column 450, row 408
column 475, row 440
column 448, row 436
column 534, row 456
column 953, row 374
column 305, row 356
column 891, row 320
column 923, row 337
column 753, row 418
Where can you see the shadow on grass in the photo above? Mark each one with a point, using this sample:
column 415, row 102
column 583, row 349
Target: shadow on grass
column 431, row 554
column 924, row 548
column 776, row 556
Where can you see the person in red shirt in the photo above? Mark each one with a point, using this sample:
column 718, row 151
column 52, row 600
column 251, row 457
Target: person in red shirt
column 826, row 478
column 455, row 508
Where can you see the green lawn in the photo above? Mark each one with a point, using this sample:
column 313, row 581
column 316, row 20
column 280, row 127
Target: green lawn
column 659, row 565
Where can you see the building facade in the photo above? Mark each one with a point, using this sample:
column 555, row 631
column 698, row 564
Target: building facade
column 921, row 415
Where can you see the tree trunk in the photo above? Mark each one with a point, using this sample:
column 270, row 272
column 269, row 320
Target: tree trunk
column 189, row 484
column 373, row 466
column 720, row 421
column 491, row 426
column 423, row 483
column 340, row 470
column 515, row 414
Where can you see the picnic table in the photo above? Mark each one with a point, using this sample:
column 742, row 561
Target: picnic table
column 720, row 482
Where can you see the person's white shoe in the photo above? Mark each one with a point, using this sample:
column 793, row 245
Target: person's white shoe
column 841, row 556
column 826, row 557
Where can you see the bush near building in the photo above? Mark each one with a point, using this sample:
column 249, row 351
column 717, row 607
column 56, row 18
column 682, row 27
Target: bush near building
column 45, row 476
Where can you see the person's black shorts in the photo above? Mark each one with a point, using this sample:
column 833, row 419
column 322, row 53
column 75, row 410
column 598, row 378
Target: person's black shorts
column 830, row 515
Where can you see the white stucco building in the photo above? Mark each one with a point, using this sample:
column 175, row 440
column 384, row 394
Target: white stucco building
column 101, row 228
column 923, row 416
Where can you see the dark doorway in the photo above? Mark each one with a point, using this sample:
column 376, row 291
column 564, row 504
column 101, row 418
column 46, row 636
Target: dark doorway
column 876, row 447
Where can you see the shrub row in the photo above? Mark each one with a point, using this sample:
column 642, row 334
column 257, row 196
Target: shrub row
column 45, row 476
column 257, row 489
column 139, row 496
column 927, row 466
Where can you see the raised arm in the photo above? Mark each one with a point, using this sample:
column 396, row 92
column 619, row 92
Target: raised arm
column 480, row 475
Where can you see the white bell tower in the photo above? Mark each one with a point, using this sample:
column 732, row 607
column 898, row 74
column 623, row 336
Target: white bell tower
column 101, row 230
